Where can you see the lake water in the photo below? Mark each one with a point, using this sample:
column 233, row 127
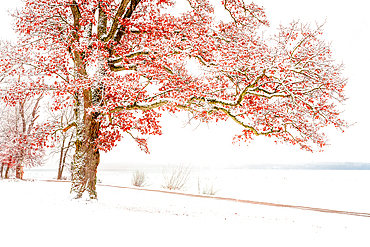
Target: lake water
column 333, row 189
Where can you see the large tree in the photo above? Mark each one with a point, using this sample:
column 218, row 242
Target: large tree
column 124, row 61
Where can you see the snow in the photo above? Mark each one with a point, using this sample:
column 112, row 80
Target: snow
column 134, row 29
column 40, row 213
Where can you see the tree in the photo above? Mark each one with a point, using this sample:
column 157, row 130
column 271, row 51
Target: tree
column 63, row 143
column 122, row 62
column 23, row 139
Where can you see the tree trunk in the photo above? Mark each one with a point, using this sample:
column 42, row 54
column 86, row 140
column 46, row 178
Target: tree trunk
column 1, row 170
column 60, row 171
column 19, row 171
column 87, row 156
column 85, row 164
column 63, row 156
column 7, row 172
column 61, row 164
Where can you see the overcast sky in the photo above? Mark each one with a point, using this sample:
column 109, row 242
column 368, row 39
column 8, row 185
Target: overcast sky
column 347, row 27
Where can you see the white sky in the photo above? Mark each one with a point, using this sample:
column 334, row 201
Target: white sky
column 347, row 26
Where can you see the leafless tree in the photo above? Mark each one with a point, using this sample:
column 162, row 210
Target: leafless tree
column 64, row 145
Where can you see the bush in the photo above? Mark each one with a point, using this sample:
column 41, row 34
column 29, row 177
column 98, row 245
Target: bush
column 208, row 189
column 176, row 177
column 139, row 179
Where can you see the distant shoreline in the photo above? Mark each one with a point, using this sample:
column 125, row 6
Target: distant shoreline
column 346, row 166
column 311, row 166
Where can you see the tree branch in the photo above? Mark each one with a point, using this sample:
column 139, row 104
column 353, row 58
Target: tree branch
column 68, row 127
column 128, row 14
column 139, row 107
column 119, row 14
column 115, row 68
column 102, row 22
column 76, row 19
column 233, row 117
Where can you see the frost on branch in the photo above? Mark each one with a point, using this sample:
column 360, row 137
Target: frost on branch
column 247, row 16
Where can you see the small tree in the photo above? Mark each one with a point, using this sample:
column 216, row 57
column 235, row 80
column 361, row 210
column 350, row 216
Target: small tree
column 8, row 163
column 64, row 141
column 24, row 139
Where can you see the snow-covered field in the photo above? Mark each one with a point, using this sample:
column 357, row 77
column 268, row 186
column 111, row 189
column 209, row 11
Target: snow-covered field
column 347, row 190
column 41, row 213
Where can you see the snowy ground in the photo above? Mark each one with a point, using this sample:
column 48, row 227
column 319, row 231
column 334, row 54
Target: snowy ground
column 332, row 189
column 40, row 214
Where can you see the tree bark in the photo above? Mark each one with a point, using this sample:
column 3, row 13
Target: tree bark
column 1, row 170
column 7, row 172
column 63, row 156
column 61, row 164
column 19, row 171
column 87, row 156
column 86, row 161
column 60, row 170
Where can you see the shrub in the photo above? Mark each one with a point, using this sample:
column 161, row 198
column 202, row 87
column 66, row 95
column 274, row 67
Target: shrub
column 139, row 179
column 208, row 189
column 176, row 177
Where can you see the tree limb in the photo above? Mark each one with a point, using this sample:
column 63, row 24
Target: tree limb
column 233, row 117
column 139, row 107
column 114, row 26
column 68, row 127
column 102, row 22
column 76, row 19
